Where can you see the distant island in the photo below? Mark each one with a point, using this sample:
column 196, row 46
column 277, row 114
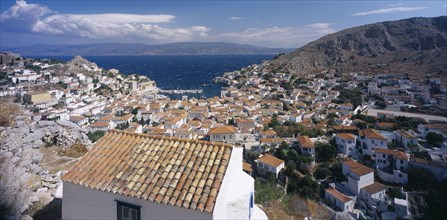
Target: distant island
column 119, row 49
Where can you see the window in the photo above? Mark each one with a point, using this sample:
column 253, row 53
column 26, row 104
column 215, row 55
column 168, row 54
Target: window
column 127, row 211
column 251, row 205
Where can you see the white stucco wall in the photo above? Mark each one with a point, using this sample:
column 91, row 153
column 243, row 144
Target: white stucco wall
column 234, row 195
column 81, row 202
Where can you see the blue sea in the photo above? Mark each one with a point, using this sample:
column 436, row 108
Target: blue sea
column 178, row 72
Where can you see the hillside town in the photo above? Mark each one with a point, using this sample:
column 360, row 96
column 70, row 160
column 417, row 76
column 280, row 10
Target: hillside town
column 358, row 144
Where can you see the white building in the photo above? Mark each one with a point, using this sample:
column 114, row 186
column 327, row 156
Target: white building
column 136, row 176
column 269, row 164
column 339, row 200
column 371, row 139
column 306, row 146
column 392, row 165
column 226, row 134
column 357, row 175
column 405, row 138
column 345, row 143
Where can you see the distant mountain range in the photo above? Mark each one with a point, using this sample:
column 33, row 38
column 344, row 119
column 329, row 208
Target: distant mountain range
column 417, row 46
column 109, row 49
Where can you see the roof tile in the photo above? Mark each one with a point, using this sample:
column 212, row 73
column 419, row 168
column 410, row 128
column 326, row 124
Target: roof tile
column 166, row 170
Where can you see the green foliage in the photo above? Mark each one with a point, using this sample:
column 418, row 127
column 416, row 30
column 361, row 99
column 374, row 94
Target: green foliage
column 434, row 138
column 122, row 126
column 354, row 96
column 322, row 172
column 266, row 192
column 422, row 154
column 324, row 152
column 381, row 104
column 305, row 158
column 308, row 188
column 392, row 145
column 231, row 122
column 96, row 135
column 395, row 193
column 134, row 111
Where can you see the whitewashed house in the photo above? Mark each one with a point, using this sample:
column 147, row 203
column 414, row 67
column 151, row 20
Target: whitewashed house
column 345, row 142
column 268, row 164
column 339, row 200
column 136, row 176
column 405, row 138
column 357, row 175
column 392, row 165
column 306, row 145
column 371, row 139
column 226, row 134
column 374, row 195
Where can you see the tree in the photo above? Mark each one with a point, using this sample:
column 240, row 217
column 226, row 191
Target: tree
column 324, row 152
column 434, row 138
column 96, row 135
column 322, row 172
column 231, row 122
column 308, row 188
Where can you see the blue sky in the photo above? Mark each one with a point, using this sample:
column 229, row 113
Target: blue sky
column 286, row 24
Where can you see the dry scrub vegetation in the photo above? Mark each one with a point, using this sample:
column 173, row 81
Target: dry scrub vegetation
column 8, row 112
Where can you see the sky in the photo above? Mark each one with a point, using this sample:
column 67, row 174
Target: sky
column 277, row 24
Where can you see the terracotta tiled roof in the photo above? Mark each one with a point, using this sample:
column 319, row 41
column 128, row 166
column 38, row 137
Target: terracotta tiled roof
column 271, row 140
column 223, row 130
column 346, row 136
column 374, row 188
column 247, row 167
column 270, row 160
column 406, row 134
column 358, row 168
column 372, row 134
column 386, row 124
column 343, row 127
column 398, row 154
column 100, row 124
column 172, row 171
column 268, row 133
column 340, row 196
column 305, row 141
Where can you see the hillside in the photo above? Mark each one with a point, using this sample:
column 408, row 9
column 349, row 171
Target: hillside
column 186, row 48
column 415, row 46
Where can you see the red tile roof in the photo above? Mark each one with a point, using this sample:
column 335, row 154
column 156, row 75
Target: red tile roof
column 374, row 188
column 398, row 154
column 270, row 160
column 358, row 168
column 223, row 130
column 340, row 196
column 346, row 136
column 174, row 171
column 304, row 141
column 371, row 134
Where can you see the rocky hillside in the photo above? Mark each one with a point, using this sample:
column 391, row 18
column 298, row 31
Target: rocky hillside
column 33, row 156
column 78, row 65
column 416, row 46
column 183, row 48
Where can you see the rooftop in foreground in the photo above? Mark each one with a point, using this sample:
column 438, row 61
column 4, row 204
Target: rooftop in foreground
column 174, row 171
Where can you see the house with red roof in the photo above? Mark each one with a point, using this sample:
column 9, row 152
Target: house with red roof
column 139, row 176
column 371, row 139
column 345, row 142
column 392, row 165
column 306, row 145
column 268, row 164
column 226, row 134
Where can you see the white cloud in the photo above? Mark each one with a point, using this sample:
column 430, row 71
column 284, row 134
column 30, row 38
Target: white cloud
column 395, row 5
column 389, row 10
column 22, row 16
column 235, row 18
column 279, row 36
column 97, row 26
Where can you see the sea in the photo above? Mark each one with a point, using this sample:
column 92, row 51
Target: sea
column 177, row 71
